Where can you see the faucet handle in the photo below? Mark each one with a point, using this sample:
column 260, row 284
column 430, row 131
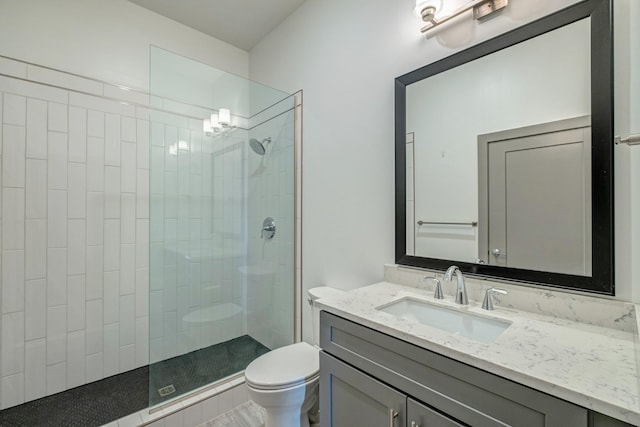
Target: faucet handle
column 487, row 303
column 438, row 294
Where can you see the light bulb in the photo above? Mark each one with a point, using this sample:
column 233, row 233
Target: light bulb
column 215, row 122
column 206, row 126
column 224, row 116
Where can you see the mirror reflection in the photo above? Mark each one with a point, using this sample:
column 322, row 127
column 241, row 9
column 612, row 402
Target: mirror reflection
column 498, row 157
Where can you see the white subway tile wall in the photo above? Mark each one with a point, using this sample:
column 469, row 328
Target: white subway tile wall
column 73, row 231
column 102, row 256
column 35, row 371
column 36, row 128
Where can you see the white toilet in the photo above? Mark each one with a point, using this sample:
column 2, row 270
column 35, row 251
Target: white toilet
column 285, row 381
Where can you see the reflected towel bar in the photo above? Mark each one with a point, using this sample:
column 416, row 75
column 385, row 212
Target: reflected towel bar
column 470, row 224
column 630, row 140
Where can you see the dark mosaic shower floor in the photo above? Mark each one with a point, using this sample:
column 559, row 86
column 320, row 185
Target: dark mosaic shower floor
column 104, row 401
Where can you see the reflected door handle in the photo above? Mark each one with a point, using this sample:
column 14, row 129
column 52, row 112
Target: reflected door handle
column 497, row 252
column 414, row 424
column 393, row 414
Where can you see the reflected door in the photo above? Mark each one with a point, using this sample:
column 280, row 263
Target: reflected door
column 539, row 198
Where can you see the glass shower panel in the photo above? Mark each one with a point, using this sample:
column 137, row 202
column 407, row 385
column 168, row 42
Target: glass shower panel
column 209, row 192
column 270, row 262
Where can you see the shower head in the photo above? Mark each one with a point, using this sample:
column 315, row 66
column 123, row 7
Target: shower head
column 259, row 146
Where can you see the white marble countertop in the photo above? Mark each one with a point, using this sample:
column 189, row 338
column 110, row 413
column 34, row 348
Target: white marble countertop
column 593, row 366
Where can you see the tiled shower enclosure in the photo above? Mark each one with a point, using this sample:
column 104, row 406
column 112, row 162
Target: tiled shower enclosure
column 128, row 234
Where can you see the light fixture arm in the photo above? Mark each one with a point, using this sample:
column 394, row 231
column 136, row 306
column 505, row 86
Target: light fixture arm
column 481, row 9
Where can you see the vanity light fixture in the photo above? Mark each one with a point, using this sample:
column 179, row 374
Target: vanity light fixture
column 218, row 123
column 427, row 10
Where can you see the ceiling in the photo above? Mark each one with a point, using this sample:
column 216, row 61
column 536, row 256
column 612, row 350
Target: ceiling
column 241, row 23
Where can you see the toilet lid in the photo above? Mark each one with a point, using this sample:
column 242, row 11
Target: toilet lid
column 285, row 366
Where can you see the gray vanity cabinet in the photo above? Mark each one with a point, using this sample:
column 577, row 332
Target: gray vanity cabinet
column 366, row 377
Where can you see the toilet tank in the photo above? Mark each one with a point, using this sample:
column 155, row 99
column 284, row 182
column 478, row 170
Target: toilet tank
column 315, row 294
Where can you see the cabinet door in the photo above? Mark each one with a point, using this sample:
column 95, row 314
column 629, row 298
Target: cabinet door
column 349, row 398
column 419, row 415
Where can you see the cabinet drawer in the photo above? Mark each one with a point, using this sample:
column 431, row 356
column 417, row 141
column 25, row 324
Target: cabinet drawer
column 419, row 415
column 468, row 394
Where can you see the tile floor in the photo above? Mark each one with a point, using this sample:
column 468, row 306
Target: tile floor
column 246, row 415
column 114, row 398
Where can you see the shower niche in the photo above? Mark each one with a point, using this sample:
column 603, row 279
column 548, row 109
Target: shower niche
column 220, row 295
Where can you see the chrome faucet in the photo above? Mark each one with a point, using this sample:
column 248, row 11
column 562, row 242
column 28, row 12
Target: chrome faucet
column 461, row 289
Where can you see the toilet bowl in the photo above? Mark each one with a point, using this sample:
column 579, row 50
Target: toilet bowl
column 285, row 381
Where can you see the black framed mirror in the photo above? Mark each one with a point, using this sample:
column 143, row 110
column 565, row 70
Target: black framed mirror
column 445, row 112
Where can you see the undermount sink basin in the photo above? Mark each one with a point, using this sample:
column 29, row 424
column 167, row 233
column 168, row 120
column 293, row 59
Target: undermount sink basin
column 469, row 325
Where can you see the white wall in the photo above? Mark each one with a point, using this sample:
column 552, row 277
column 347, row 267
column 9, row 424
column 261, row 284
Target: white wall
column 345, row 55
column 106, row 40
